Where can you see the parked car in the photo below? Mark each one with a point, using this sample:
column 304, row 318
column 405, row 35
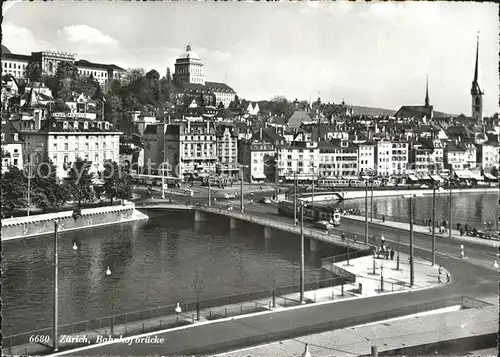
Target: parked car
column 265, row 200
column 424, row 186
column 229, row 196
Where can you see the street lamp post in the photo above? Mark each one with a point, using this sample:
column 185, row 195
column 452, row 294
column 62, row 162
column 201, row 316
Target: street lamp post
column 302, row 252
column 371, row 203
column 412, row 272
column 397, row 258
column 450, row 224
column 366, row 212
column 433, row 224
column 76, row 215
column 295, row 198
column 56, row 290
column 312, row 199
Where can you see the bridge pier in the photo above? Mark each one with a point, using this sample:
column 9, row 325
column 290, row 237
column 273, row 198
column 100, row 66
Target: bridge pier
column 233, row 223
column 199, row 216
column 313, row 245
column 267, row 232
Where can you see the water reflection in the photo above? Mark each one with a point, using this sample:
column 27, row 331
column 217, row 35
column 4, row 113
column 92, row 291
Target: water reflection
column 468, row 208
column 153, row 263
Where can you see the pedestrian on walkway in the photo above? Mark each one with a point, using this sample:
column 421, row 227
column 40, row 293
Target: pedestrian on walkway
column 466, row 228
column 448, row 277
column 383, row 218
column 392, row 254
column 458, row 226
column 440, row 270
column 342, row 236
column 461, row 231
column 388, row 252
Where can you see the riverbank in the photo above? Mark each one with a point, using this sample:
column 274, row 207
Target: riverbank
column 30, row 226
column 348, row 195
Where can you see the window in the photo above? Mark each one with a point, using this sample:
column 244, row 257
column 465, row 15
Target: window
column 55, row 146
column 65, row 159
column 65, row 146
column 97, row 146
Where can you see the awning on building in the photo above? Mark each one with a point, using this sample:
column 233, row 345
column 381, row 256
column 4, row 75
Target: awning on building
column 412, row 178
column 258, row 176
column 437, row 178
column 477, row 176
column 490, row 176
column 424, row 177
column 350, row 177
column 464, row 174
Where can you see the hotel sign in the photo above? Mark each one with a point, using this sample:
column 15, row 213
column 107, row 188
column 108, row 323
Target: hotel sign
column 74, row 115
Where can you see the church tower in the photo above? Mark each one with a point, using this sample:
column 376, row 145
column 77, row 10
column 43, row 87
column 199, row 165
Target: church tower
column 476, row 93
column 427, row 91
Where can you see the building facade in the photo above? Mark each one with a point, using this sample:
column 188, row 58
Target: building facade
column 189, row 68
column 227, row 151
column 12, row 147
column 62, row 141
column 391, row 158
column 366, row 159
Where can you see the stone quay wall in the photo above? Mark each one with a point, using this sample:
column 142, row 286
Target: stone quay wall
column 31, row 226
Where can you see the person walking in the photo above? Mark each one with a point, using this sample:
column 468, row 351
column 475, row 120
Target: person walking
column 383, row 218
column 392, row 254
column 440, row 270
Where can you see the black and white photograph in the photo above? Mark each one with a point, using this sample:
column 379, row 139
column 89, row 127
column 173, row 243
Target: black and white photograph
column 249, row 178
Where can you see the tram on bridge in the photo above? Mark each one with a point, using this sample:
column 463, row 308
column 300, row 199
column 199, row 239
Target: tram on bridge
column 156, row 180
column 318, row 213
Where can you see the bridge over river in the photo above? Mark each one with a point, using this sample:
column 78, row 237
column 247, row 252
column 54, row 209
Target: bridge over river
column 202, row 213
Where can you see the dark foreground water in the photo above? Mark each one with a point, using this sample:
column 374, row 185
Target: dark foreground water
column 153, row 263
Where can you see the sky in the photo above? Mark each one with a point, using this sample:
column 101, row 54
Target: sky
column 368, row 54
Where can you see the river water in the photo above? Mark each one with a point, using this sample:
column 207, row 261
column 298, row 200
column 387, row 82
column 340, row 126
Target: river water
column 153, row 263
column 472, row 209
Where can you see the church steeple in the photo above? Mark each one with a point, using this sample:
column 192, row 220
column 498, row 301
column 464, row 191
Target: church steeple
column 475, row 91
column 427, row 91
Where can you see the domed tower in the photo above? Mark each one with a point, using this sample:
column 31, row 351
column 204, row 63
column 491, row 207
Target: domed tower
column 476, row 93
column 189, row 68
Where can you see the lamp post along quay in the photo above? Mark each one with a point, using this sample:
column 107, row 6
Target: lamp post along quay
column 412, row 263
column 76, row 214
column 295, row 198
column 366, row 212
column 433, row 223
column 302, row 206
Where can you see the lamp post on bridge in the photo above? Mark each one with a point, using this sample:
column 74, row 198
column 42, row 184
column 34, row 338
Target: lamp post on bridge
column 241, row 185
column 295, row 198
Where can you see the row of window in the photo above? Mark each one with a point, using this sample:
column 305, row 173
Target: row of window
column 77, row 146
column 14, row 65
column 94, row 73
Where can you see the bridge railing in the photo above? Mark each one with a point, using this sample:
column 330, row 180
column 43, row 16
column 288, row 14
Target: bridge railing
column 313, row 233
column 164, row 317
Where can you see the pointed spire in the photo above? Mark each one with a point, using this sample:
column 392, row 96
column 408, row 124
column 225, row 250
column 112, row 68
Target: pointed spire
column 477, row 59
column 427, row 91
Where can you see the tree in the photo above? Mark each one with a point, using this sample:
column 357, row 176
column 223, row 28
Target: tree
column 13, row 190
column 33, row 72
column 116, row 183
column 48, row 191
column 494, row 171
column 79, row 181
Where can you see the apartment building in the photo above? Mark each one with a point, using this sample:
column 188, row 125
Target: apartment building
column 227, row 150
column 391, row 158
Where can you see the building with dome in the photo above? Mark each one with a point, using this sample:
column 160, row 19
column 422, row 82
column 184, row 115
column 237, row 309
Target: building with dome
column 189, row 68
column 190, row 78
